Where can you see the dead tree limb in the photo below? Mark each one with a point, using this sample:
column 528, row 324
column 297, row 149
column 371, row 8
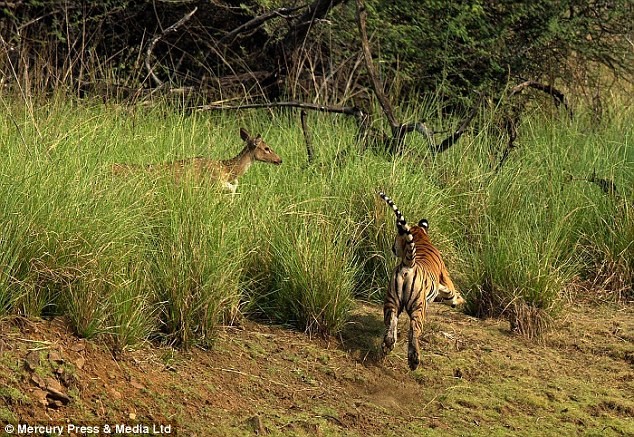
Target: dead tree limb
column 360, row 116
column 307, row 138
column 376, row 84
column 298, row 31
column 256, row 22
column 399, row 130
column 157, row 38
column 607, row 186
column 454, row 137
column 558, row 97
column 510, row 125
column 511, row 122
column 347, row 110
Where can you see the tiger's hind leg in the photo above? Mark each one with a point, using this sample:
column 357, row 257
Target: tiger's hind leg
column 391, row 323
column 447, row 292
column 417, row 317
column 391, row 310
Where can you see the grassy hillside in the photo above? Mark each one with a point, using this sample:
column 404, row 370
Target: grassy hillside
column 141, row 257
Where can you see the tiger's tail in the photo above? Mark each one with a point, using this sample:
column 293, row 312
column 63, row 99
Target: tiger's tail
column 404, row 230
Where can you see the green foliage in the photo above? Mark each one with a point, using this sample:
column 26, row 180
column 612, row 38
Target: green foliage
column 195, row 267
column 312, row 274
column 453, row 48
column 441, row 49
column 139, row 257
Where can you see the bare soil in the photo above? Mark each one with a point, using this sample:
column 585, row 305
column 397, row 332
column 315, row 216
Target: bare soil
column 476, row 378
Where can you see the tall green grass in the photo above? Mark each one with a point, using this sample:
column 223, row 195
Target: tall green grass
column 142, row 257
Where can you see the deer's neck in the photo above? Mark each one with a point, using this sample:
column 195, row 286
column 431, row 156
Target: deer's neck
column 239, row 164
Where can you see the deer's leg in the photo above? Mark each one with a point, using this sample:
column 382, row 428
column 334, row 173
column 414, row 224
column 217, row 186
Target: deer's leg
column 231, row 187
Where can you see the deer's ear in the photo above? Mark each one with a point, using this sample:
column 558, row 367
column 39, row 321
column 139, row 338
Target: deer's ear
column 244, row 134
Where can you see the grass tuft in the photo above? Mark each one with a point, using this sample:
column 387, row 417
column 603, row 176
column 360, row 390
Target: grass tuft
column 313, row 275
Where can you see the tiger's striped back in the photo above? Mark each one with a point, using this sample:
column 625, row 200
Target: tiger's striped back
column 419, row 278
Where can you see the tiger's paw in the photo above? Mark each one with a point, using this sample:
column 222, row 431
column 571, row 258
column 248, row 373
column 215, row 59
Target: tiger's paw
column 413, row 359
column 388, row 344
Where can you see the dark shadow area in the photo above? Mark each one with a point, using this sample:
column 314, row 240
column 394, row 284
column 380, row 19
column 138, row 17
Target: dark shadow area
column 362, row 335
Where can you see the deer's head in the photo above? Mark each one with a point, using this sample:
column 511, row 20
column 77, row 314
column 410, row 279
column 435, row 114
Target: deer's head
column 261, row 151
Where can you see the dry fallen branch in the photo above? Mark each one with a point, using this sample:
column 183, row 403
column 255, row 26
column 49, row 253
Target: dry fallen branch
column 512, row 121
column 347, row 110
column 464, row 124
column 510, row 125
column 298, row 32
column 607, row 186
column 377, row 86
column 157, row 38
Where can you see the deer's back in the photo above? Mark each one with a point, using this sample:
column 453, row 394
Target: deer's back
column 196, row 167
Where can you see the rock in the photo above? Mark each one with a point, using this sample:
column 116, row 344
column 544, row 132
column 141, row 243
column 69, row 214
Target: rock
column 115, row 394
column 80, row 362
column 55, row 358
column 78, row 347
column 53, row 384
column 55, row 403
column 32, row 360
column 41, row 396
column 257, row 425
column 55, row 391
column 37, row 380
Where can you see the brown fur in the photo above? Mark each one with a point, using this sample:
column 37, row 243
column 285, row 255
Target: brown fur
column 225, row 171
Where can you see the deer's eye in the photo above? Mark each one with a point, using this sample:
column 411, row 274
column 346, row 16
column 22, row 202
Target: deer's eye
column 267, row 149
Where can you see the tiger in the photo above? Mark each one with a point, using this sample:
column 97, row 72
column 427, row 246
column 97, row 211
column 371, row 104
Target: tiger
column 419, row 278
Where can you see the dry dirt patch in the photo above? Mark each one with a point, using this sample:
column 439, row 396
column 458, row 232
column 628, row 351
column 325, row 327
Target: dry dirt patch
column 476, row 378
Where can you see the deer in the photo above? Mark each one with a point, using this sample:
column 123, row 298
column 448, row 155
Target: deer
column 226, row 171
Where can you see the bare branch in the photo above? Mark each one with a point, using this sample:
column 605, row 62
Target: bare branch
column 607, row 186
column 347, row 110
column 298, row 32
column 510, row 125
column 369, row 65
column 309, row 143
column 360, row 116
column 558, row 97
column 454, row 137
column 422, row 128
column 399, row 130
column 157, row 38
column 256, row 22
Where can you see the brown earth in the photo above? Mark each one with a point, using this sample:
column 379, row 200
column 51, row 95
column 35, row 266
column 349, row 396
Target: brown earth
column 476, row 378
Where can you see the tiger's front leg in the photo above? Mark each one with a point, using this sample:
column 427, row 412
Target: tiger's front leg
column 417, row 318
